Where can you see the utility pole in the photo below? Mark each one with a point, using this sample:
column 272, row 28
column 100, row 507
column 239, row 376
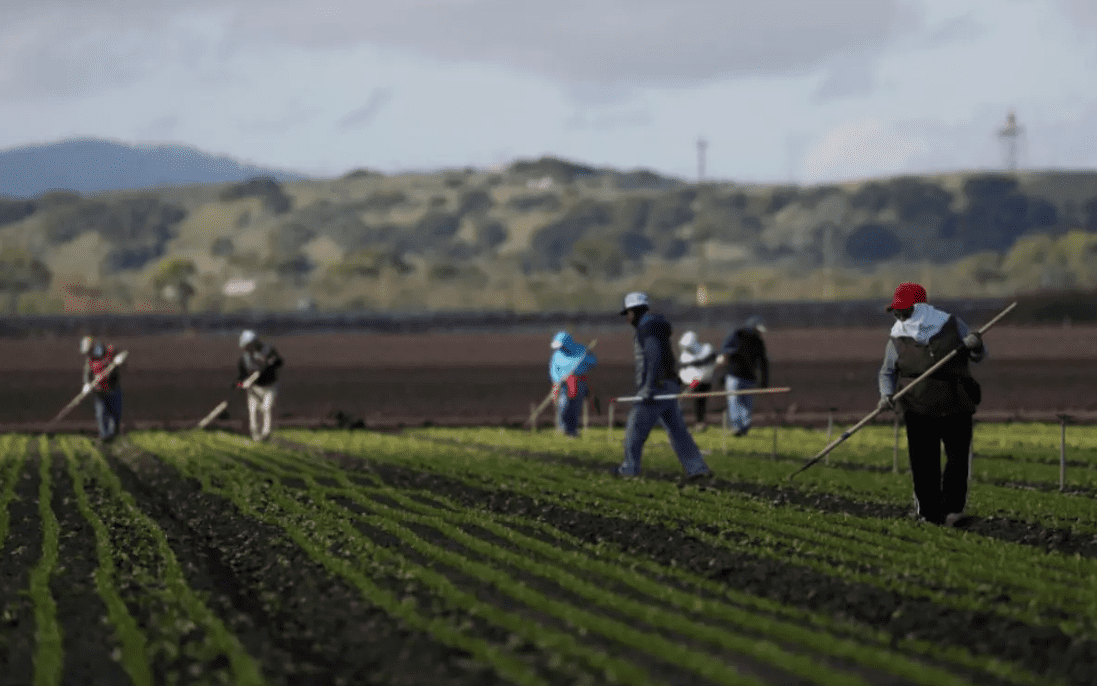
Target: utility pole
column 702, row 144
column 1009, row 136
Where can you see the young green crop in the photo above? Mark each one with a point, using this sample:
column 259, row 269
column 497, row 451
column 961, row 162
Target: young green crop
column 49, row 656
column 132, row 641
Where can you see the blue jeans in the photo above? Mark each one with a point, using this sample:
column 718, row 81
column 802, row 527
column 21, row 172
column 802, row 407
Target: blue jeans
column 740, row 407
column 570, row 409
column 108, row 412
column 642, row 419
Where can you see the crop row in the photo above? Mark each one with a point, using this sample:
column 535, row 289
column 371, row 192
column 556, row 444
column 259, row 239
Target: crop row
column 651, row 502
column 328, row 517
column 897, row 555
column 856, row 469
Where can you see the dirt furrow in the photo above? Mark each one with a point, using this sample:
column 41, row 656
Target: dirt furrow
column 90, row 646
column 20, row 553
column 303, row 625
column 1041, row 649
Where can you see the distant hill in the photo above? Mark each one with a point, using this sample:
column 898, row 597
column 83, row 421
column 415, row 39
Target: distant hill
column 89, row 165
column 544, row 234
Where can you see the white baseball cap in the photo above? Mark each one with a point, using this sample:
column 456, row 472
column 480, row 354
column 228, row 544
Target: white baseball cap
column 246, row 337
column 634, row 299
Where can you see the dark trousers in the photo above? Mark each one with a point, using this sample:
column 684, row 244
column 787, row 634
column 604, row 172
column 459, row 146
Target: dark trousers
column 938, row 495
column 700, row 405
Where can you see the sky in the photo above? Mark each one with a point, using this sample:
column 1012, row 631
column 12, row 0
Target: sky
column 802, row 91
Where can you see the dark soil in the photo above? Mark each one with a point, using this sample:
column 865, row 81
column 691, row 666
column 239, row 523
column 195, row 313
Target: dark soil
column 305, row 626
column 87, row 639
column 172, row 381
column 1044, row 650
column 21, row 552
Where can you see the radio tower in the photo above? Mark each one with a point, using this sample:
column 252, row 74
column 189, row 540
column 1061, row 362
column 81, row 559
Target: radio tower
column 701, row 145
column 1009, row 136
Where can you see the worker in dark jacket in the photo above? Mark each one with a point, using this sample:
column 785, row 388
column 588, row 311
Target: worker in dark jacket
column 939, row 409
column 744, row 352
column 655, row 375
column 107, row 393
column 257, row 356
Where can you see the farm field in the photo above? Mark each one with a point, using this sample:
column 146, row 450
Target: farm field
column 170, row 382
column 492, row 556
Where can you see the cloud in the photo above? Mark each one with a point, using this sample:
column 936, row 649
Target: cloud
column 634, row 43
column 860, row 148
column 378, row 98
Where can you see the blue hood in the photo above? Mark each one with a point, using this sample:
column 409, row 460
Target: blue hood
column 567, row 355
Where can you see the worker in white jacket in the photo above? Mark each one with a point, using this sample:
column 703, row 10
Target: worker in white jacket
column 697, row 365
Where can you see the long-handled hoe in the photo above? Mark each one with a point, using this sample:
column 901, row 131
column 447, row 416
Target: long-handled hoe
column 548, row 398
column 118, row 359
column 868, row 418
column 225, row 403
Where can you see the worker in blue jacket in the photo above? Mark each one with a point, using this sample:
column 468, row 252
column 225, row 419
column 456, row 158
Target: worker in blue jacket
column 568, row 368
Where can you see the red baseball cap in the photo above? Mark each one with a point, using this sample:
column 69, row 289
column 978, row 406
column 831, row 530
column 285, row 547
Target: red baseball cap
column 906, row 295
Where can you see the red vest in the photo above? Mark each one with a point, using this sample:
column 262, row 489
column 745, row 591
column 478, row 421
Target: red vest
column 97, row 367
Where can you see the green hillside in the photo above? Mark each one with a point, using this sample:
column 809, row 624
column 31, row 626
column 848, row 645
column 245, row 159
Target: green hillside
column 543, row 234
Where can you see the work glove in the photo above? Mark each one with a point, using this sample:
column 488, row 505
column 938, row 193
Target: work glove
column 973, row 341
column 886, row 403
column 573, row 386
column 239, row 384
column 555, row 391
column 86, row 389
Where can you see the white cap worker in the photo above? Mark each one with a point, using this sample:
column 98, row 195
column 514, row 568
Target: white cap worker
column 697, row 365
column 263, row 358
column 655, row 375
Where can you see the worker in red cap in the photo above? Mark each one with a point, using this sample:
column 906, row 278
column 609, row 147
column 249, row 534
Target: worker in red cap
column 939, row 409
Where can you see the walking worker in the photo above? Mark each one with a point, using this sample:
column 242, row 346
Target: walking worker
column 568, row 368
column 697, row 367
column 655, row 376
column 939, row 409
column 261, row 357
column 107, row 393
column 744, row 352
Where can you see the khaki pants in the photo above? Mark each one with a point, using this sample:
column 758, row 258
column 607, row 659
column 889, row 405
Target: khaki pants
column 261, row 398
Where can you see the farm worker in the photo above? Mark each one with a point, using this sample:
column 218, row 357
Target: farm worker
column 568, row 368
column 259, row 357
column 939, row 409
column 107, row 393
column 655, row 376
column 697, row 364
column 744, row 352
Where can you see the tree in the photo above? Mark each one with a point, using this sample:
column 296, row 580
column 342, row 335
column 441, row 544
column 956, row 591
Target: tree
column 172, row 281
column 21, row 272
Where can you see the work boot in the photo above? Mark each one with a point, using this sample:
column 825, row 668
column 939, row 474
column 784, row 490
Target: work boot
column 702, row 479
column 957, row 520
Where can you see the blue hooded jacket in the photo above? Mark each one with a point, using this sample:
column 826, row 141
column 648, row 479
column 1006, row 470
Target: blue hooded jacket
column 564, row 358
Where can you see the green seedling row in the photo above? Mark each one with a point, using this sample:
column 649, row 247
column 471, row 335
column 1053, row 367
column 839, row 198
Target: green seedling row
column 553, row 563
column 48, row 659
column 13, row 453
column 583, row 620
column 317, row 532
column 452, row 464
column 743, row 464
column 819, row 547
column 132, row 642
column 156, row 571
column 595, row 594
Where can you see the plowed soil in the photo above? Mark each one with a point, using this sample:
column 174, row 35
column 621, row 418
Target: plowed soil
column 172, row 381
